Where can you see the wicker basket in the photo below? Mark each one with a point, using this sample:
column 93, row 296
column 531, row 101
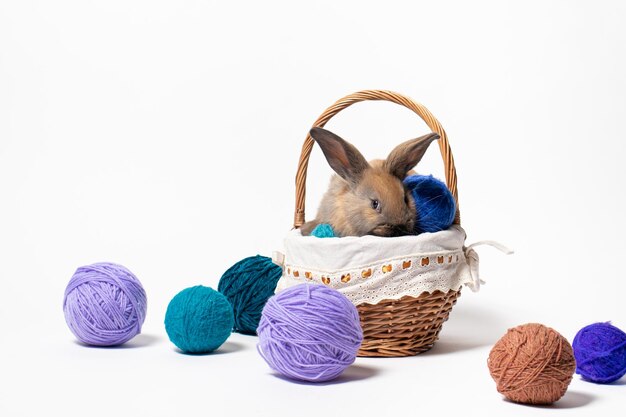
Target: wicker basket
column 408, row 325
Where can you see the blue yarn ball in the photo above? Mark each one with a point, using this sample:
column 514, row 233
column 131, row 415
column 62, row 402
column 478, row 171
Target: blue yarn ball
column 198, row 319
column 248, row 285
column 434, row 203
column 323, row 230
column 600, row 352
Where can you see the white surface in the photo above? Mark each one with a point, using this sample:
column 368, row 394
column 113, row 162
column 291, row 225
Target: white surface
column 144, row 133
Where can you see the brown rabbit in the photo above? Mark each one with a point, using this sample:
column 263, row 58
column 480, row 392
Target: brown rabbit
column 367, row 198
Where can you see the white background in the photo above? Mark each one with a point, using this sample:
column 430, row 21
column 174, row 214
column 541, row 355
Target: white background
column 164, row 135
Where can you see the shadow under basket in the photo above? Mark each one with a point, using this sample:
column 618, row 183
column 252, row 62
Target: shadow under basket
column 424, row 279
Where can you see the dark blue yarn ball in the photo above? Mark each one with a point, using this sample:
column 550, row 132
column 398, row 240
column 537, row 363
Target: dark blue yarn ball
column 600, row 352
column 434, row 203
column 248, row 285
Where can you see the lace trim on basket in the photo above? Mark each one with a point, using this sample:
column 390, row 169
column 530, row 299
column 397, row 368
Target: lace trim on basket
column 389, row 279
column 388, row 268
column 393, row 278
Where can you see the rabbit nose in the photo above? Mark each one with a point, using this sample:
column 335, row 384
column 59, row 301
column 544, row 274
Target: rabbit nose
column 398, row 230
column 390, row 230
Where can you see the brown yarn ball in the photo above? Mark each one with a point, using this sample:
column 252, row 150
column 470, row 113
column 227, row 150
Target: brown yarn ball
column 532, row 364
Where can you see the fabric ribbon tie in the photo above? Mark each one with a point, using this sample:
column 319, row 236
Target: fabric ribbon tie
column 472, row 261
column 278, row 258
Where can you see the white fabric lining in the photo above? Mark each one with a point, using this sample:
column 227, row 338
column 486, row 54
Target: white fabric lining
column 393, row 267
column 401, row 266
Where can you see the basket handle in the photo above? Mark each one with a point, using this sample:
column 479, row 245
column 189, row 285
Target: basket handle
column 347, row 101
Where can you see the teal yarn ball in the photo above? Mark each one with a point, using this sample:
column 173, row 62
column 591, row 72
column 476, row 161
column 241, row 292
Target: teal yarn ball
column 323, row 230
column 198, row 319
column 248, row 285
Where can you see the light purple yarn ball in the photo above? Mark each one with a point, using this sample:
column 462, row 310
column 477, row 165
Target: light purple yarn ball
column 104, row 304
column 309, row 333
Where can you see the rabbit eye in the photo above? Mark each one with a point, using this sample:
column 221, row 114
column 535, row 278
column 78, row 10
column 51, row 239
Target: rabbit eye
column 375, row 205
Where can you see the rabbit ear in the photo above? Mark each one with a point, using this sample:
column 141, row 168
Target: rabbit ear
column 406, row 155
column 342, row 157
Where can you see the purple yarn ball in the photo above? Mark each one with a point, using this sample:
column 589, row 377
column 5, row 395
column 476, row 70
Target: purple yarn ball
column 104, row 304
column 309, row 333
column 600, row 352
